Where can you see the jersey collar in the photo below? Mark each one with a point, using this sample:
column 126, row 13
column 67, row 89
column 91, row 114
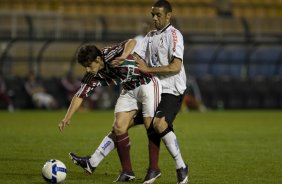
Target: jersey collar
column 165, row 28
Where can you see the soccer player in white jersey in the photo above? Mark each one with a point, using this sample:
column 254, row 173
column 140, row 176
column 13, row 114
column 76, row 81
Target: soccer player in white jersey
column 138, row 87
column 162, row 50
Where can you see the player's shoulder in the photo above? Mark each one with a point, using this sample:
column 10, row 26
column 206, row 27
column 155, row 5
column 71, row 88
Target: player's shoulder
column 173, row 29
column 173, row 32
column 87, row 78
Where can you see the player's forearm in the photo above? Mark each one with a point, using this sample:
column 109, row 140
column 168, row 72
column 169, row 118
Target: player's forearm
column 163, row 70
column 75, row 104
column 128, row 48
column 173, row 68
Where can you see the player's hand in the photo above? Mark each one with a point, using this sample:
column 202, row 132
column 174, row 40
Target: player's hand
column 117, row 61
column 63, row 124
column 141, row 64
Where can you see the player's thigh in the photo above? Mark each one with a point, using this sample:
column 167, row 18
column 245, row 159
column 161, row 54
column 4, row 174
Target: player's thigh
column 169, row 107
column 149, row 97
column 126, row 102
column 147, row 121
column 125, row 110
column 122, row 121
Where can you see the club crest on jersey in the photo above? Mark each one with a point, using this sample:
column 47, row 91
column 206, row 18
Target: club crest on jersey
column 161, row 41
column 154, row 59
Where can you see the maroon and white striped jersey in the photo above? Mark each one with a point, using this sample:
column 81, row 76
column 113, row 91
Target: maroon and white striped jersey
column 126, row 74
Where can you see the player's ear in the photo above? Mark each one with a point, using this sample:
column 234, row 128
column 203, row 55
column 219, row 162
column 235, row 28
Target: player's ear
column 168, row 15
column 99, row 59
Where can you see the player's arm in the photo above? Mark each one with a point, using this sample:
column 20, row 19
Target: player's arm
column 75, row 104
column 128, row 48
column 88, row 84
column 173, row 68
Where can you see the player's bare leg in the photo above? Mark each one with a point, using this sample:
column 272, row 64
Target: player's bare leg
column 120, row 127
column 154, row 140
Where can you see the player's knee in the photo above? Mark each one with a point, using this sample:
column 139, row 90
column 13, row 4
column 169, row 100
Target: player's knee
column 112, row 136
column 119, row 128
column 159, row 124
column 147, row 122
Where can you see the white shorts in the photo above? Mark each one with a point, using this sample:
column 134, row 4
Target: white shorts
column 148, row 96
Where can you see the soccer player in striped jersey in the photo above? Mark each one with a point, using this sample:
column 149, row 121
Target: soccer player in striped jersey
column 138, row 88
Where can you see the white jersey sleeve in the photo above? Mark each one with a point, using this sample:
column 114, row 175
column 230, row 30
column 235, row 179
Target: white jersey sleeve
column 176, row 44
column 141, row 46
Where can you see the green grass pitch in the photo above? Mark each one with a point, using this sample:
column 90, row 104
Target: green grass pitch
column 221, row 147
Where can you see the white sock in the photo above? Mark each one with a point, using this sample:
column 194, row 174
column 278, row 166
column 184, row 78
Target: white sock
column 105, row 147
column 171, row 144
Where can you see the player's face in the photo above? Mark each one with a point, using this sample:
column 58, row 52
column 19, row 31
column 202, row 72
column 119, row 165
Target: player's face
column 95, row 66
column 160, row 17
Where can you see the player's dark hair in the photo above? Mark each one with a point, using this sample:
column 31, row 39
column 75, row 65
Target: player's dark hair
column 87, row 54
column 163, row 4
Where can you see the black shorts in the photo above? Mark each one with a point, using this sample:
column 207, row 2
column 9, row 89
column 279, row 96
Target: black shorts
column 168, row 108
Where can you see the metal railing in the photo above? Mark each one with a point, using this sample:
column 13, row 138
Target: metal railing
column 40, row 30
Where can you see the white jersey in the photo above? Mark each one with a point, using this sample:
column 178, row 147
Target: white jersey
column 158, row 49
column 139, row 39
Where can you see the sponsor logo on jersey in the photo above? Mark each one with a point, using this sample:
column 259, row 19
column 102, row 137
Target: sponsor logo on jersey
column 174, row 39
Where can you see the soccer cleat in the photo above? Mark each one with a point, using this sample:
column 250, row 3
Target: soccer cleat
column 125, row 177
column 151, row 176
column 82, row 162
column 182, row 175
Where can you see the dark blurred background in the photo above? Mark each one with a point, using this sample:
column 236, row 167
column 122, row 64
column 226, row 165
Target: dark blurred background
column 233, row 48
